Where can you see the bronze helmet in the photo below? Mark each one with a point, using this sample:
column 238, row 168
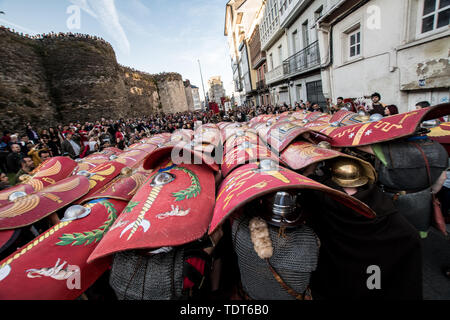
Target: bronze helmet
column 348, row 173
column 282, row 209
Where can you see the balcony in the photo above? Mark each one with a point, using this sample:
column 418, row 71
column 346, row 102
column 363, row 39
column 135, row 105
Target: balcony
column 261, row 85
column 303, row 60
column 289, row 11
column 275, row 75
column 271, row 34
column 258, row 59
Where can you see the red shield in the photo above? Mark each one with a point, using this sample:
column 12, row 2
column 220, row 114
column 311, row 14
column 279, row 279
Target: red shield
column 147, row 147
column 181, row 153
column 300, row 115
column 264, row 129
column 248, row 183
column 234, row 129
column 133, row 146
column 245, row 153
column 92, row 161
column 325, row 117
column 353, row 119
column 389, row 128
column 134, row 158
column 5, row 194
column 341, row 115
column 47, row 267
column 312, row 116
column 257, row 125
column 222, row 125
column 122, row 187
column 282, row 134
column 207, row 125
column 96, row 157
column 240, row 138
column 208, row 135
column 301, row 154
column 262, row 118
column 182, row 135
column 317, row 125
column 51, row 171
column 164, row 215
column 27, row 210
column 100, row 176
column 111, row 151
column 252, row 125
column 441, row 133
column 158, row 139
column 255, row 119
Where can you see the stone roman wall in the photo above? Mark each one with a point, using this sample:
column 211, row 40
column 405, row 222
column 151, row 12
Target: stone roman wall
column 61, row 80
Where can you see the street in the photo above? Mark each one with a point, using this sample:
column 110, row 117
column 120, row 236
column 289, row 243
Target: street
column 436, row 255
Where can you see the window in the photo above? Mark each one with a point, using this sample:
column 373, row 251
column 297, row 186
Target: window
column 280, row 55
column 354, row 43
column 435, row 15
column 271, row 61
column 318, row 13
column 305, row 34
column 314, row 93
column 294, row 41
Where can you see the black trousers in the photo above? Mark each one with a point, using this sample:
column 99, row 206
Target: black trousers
column 444, row 198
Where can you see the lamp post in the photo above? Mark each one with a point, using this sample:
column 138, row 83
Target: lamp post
column 203, row 85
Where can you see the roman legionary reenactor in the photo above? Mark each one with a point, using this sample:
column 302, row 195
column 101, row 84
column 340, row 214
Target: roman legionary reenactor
column 353, row 246
column 268, row 205
column 83, row 199
column 407, row 162
column 159, row 244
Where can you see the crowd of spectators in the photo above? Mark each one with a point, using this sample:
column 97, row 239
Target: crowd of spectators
column 54, row 35
column 21, row 152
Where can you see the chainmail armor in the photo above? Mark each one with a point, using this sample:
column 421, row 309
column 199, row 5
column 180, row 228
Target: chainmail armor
column 416, row 208
column 406, row 169
column 139, row 277
column 294, row 258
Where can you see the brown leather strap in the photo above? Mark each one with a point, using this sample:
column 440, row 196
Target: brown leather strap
column 292, row 292
column 427, row 165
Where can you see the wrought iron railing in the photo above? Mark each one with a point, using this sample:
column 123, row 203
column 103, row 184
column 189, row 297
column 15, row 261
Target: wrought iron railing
column 303, row 60
column 260, row 85
column 274, row 75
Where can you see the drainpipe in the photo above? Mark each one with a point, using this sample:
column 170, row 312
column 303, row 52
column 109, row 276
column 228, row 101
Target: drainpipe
column 330, row 32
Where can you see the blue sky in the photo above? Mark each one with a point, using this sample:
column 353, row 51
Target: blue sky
column 148, row 35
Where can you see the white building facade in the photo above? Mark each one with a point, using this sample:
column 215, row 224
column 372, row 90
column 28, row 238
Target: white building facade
column 399, row 49
column 196, row 98
column 302, row 67
column 241, row 18
column 292, row 49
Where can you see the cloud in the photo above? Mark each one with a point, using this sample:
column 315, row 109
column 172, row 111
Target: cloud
column 139, row 7
column 18, row 27
column 106, row 13
column 131, row 25
column 83, row 4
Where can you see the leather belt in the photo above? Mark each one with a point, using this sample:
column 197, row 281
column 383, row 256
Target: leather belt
column 398, row 193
